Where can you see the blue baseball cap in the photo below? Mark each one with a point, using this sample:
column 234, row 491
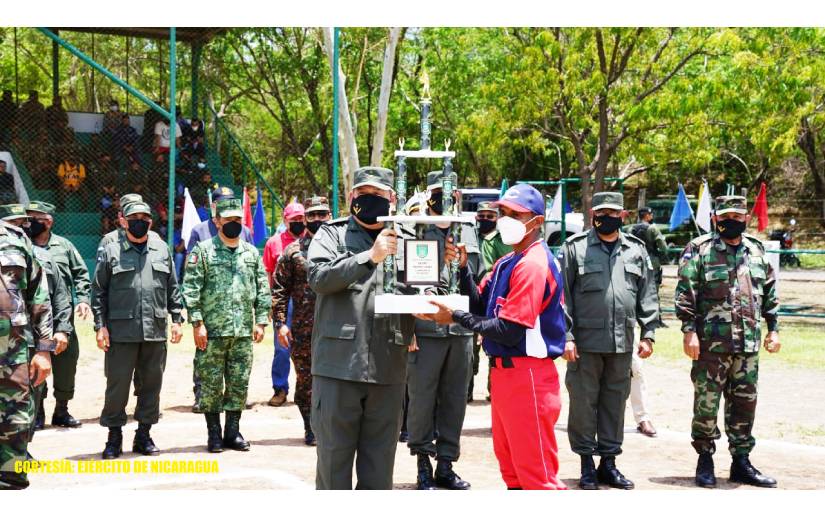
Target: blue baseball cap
column 522, row 198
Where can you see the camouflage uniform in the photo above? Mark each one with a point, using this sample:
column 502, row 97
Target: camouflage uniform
column 23, row 300
column 226, row 290
column 290, row 282
column 720, row 295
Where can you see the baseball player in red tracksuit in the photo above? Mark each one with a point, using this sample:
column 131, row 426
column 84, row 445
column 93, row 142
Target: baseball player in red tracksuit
column 518, row 311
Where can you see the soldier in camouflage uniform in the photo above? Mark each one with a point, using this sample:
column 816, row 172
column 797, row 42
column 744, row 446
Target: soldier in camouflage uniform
column 73, row 273
column 226, row 293
column 290, row 282
column 61, row 304
column 725, row 283
column 24, row 300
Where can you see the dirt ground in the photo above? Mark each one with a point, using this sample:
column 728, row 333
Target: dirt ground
column 790, row 431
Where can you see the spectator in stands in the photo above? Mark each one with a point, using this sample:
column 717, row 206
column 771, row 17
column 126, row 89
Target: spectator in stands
column 8, row 195
column 111, row 118
column 40, row 158
column 72, row 174
column 103, row 172
column 162, row 139
column 57, row 120
column 150, row 118
column 109, row 207
column 194, row 149
column 31, row 118
column 185, row 127
column 8, row 117
column 125, row 142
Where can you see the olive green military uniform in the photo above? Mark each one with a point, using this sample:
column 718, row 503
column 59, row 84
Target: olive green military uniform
column 24, row 301
column 359, row 358
column 134, row 292
column 73, row 273
column 438, row 374
column 721, row 293
column 606, row 293
column 655, row 244
column 61, row 303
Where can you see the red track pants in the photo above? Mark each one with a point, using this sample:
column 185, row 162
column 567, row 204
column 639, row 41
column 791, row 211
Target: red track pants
column 525, row 407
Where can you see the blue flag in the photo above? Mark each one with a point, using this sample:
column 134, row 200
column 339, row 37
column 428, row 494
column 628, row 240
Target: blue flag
column 681, row 210
column 259, row 232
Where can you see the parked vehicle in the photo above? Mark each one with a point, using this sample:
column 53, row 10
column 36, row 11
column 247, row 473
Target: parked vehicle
column 785, row 238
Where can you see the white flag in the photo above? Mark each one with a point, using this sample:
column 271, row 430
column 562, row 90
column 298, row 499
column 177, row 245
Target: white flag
column 704, row 209
column 190, row 217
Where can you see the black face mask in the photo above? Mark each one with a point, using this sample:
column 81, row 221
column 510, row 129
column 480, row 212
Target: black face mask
column 138, row 227
column 605, row 224
column 232, row 229
column 313, row 226
column 436, row 202
column 296, row 228
column 485, row 226
column 730, row 228
column 36, row 228
column 368, row 207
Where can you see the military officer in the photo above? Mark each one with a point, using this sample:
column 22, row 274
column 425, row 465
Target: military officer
column 228, row 302
column 133, row 292
column 24, row 301
column 492, row 248
column 60, row 301
column 290, row 283
column 725, row 283
column 439, row 370
column 608, row 286
column 113, row 235
column 73, row 273
column 359, row 358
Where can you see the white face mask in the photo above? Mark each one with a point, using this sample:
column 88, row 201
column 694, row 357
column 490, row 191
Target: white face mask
column 512, row 231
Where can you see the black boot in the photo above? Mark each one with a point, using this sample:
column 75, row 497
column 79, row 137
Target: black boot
column 588, row 478
column 424, row 481
column 309, row 437
column 114, row 443
column 214, row 443
column 143, row 443
column 232, row 437
column 61, row 416
column 608, row 474
column 40, row 417
column 470, row 390
column 704, row 470
column 447, row 478
column 742, row 471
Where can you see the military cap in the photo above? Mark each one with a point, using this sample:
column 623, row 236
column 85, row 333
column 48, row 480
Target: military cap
column 731, row 204
column 373, row 176
column 12, row 211
column 135, row 207
column 487, row 206
column 41, row 207
column 645, row 209
column 435, row 179
column 316, row 203
column 608, row 201
column 222, row 192
column 129, row 198
column 229, row 208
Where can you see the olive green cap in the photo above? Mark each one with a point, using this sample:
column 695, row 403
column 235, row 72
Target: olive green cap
column 608, row 201
column 129, row 198
column 135, row 207
column 435, row 179
column 41, row 207
column 731, row 204
column 12, row 211
column 373, row 176
column 487, row 206
column 316, row 203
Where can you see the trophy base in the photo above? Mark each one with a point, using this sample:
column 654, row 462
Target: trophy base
column 418, row 304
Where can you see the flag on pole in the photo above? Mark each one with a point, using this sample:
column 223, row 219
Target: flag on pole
column 247, row 210
column 704, row 209
column 681, row 210
column 555, row 209
column 190, row 217
column 259, row 233
column 504, row 186
column 760, row 208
